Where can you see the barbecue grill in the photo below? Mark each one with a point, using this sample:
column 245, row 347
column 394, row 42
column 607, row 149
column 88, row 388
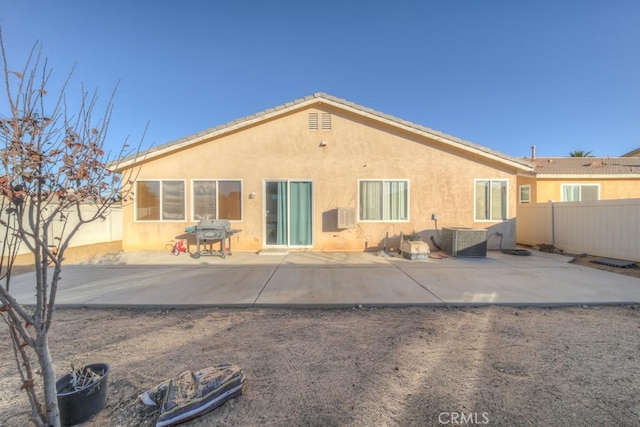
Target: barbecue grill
column 209, row 231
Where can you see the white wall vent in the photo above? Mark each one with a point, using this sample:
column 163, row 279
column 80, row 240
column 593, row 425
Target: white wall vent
column 326, row 121
column 346, row 217
column 313, row 121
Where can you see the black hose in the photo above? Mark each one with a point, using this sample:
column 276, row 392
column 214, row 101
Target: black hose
column 433, row 240
column 435, row 244
column 520, row 252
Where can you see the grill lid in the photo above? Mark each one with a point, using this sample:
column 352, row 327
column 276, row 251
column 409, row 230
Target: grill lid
column 213, row 224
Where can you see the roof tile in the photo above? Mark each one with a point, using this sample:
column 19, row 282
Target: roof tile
column 586, row 166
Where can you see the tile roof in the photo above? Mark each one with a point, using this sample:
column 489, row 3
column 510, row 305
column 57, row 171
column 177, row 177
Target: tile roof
column 586, row 166
column 316, row 98
column 632, row 153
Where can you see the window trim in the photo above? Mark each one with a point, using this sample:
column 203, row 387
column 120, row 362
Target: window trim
column 580, row 184
column 160, row 180
column 407, row 219
column 475, row 198
column 217, row 181
column 520, row 200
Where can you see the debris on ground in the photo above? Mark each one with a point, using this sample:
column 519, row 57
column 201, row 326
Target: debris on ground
column 193, row 394
column 543, row 247
column 614, row 262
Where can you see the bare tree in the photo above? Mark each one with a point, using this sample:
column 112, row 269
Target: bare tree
column 52, row 164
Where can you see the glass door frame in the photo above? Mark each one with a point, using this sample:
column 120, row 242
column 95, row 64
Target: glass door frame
column 288, row 213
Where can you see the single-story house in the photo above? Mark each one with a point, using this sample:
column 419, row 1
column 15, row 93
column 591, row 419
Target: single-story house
column 320, row 173
column 573, row 179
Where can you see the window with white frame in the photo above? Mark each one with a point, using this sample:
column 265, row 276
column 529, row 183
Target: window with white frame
column 217, row 199
column 579, row 192
column 384, row 200
column 160, row 200
column 492, row 199
column 525, row 194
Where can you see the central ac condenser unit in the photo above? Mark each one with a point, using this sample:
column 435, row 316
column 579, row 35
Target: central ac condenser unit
column 465, row 242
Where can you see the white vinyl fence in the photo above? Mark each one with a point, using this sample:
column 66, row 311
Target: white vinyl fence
column 607, row 228
column 99, row 231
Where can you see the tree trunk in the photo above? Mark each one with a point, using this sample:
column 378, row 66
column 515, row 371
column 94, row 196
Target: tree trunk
column 49, row 381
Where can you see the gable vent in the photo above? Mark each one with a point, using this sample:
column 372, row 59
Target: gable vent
column 313, row 121
column 326, row 121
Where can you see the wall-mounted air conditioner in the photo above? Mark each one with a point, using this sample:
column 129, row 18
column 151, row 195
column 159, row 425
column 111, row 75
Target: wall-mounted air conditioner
column 346, row 217
column 465, row 242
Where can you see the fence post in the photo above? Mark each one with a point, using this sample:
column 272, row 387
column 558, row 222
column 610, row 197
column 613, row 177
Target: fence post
column 553, row 224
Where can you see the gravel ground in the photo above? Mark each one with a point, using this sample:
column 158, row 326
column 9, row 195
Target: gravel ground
column 362, row 367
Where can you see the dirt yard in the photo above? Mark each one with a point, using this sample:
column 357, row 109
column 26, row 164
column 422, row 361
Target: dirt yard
column 361, row 366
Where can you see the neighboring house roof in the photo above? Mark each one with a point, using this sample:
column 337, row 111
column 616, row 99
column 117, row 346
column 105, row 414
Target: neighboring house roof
column 633, row 153
column 322, row 98
column 587, row 167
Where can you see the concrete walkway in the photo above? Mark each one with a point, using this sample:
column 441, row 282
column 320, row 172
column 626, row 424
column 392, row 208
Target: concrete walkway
column 332, row 279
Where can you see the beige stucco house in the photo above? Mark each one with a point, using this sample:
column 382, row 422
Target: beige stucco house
column 569, row 179
column 320, row 173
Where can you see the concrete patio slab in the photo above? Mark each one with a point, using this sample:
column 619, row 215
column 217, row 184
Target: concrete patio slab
column 153, row 285
column 527, row 286
column 340, row 286
column 165, row 258
column 332, row 279
column 507, row 279
column 335, row 259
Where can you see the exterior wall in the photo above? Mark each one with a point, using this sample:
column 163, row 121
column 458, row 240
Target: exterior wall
column 440, row 180
column 610, row 189
column 608, row 228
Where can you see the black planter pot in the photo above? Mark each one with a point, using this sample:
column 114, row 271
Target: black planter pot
column 78, row 406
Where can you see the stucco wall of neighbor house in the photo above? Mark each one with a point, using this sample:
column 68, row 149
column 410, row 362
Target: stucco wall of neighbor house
column 610, row 189
column 441, row 180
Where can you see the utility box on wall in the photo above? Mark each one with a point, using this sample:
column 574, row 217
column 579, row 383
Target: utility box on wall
column 465, row 242
column 346, row 218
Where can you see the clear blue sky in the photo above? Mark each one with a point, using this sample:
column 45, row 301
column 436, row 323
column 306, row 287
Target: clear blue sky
column 561, row 75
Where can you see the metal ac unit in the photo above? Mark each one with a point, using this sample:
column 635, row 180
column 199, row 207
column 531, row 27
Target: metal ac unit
column 465, row 242
column 346, row 217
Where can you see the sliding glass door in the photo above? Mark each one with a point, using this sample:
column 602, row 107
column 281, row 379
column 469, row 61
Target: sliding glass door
column 288, row 216
column 300, row 213
column 276, row 214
